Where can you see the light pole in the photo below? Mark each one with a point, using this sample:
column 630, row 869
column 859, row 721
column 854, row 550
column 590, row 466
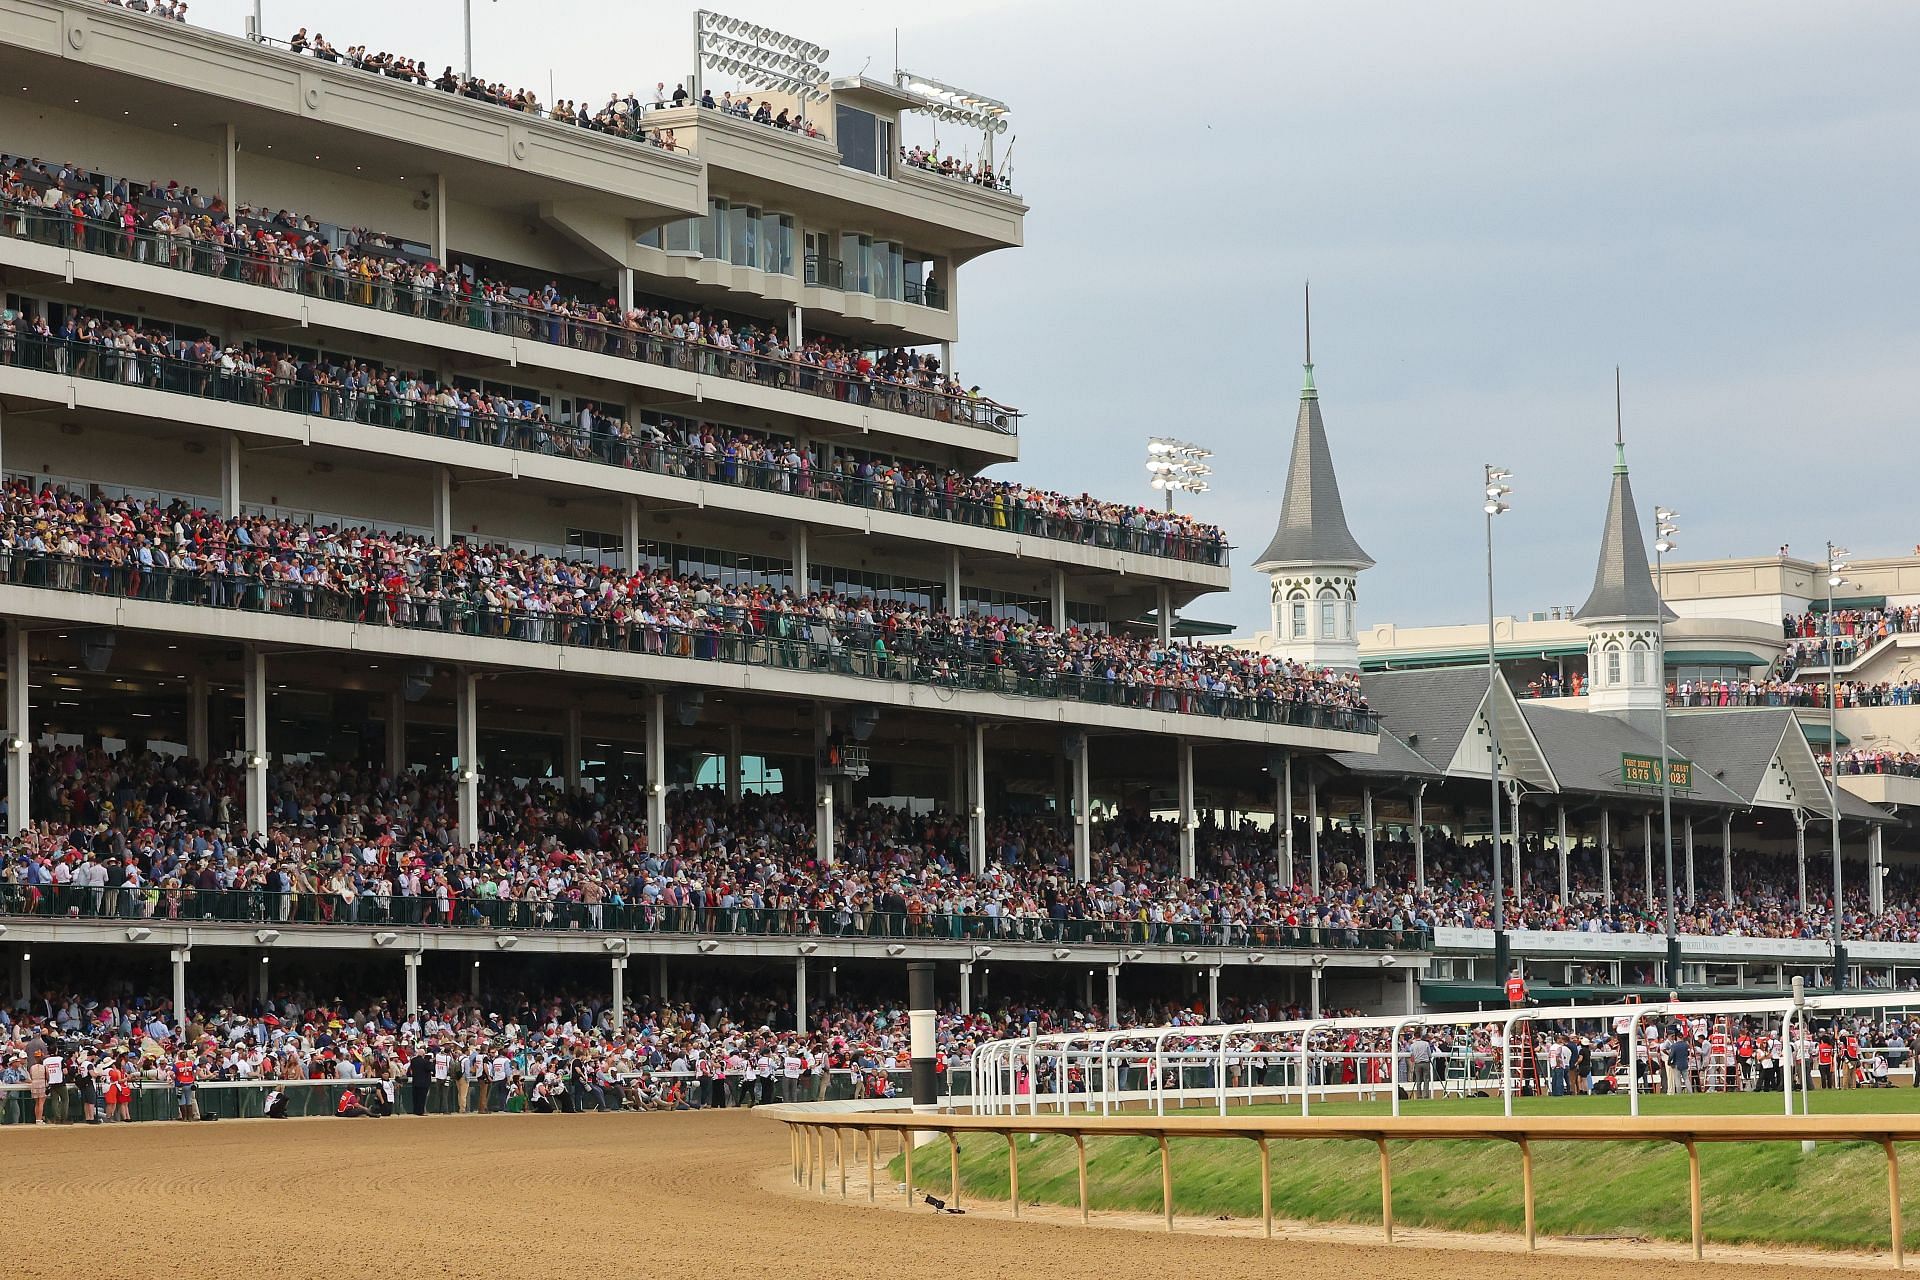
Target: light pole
column 1663, row 530
column 1497, row 489
column 1836, row 566
column 1177, row 466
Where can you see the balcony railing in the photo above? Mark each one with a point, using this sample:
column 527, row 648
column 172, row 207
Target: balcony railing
column 208, row 380
column 512, row 319
column 826, row 273
column 738, row 636
column 263, row 905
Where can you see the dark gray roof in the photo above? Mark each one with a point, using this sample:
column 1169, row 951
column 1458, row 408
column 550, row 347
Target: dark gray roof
column 1313, row 524
column 1428, row 710
column 1584, row 749
column 1622, row 584
column 1393, row 759
column 1736, row 746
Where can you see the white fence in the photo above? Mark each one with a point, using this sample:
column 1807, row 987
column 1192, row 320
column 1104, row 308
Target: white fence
column 1244, row 1064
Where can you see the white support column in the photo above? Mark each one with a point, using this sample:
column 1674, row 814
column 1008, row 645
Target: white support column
column 966, row 988
column 1163, row 611
column 466, row 737
column 255, row 737
column 412, row 961
column 656, row 764
column 229, row 167
column 1646, row 847
column 623, row 282
column 570, row 751
column 1283, row 819
column 1213, row 992
column 1726, row 857
column 473, row 984
column 660, row 979
column 1113, row 995
column 953, row 581
column 1876, row 869
column 396, row 733
column 630, row 535
column 977, row 798
column 957, row 785
column 180, row 956
column 1606, row 861
column 1059, row 602
column 619, row 1009
column 443, row 505
column 1313, row 833
column 1366, row 818
column 802, row 562
column 1687, row 836
column 1082, row 816
column 800, row 995
column 198, row 698
column 823, row 788
column 1183, row 763
column 19, row 731
column 263, row 980
column 1412, row 988
column 1800, row 855
column 1513, row 828
column 1419, row 840
column 230, row 476
column 733, row 762
column 796, row 327
column 24, row 991
column 440, row 218
column 1564, row 846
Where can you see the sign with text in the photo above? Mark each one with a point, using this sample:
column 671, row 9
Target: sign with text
column 1644, row 771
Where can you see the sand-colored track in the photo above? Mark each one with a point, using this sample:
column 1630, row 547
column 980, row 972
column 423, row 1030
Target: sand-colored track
column 689, row 1196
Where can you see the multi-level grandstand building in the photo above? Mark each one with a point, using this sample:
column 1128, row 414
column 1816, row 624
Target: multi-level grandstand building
column 421, row 432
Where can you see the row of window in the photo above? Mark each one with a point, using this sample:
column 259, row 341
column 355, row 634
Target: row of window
column 747, row 236
column 1336, row 618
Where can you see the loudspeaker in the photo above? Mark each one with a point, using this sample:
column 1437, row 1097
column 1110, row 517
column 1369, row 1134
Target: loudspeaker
column 96, row 649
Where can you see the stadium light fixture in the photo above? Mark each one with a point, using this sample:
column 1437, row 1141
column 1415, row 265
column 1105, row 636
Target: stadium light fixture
column 507, row 941
column 896, row 949
column 265, row 936
column 139, row 933
column 1188, row 957
column 1132, row 954
column 614, row 944
column 808, row 948
column 764, row 58
column 1175, row 466
column 951, row 104
column 707, row 947
column 1061, row 953
column 385, row 939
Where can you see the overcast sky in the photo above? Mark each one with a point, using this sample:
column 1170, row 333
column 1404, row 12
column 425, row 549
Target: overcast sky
column 1496, row 203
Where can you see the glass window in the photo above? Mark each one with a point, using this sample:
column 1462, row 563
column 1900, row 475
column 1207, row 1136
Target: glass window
column 650, row 238
column 883, row 144
column 1613, row 666
column 1299, row 620
column 684, row 236
column 1639, row 665
column 743, row 246
column 713, row 231
column 776, row 243
column 856, row 262
column 1326, row 619
column 856, row 133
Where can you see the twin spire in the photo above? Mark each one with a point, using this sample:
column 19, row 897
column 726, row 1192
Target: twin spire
column 1623, row 587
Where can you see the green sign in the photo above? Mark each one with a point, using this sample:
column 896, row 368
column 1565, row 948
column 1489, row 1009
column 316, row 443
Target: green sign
column 1644, row 771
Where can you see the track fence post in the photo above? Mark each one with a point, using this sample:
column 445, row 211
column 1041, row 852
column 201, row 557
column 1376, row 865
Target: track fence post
column 906, row 1158
column 1693, row 1199
column 1013, row 1173
column 871, row 1191
column 1386, row 1190
column 840, row 1157
column 1166, row 1181
column 1080, row 1145
column 953, row 1148
column 1526, row 1191
column 1893, row 1202
column 1266, row 1186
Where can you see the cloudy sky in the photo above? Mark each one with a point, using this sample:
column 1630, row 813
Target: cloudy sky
column 1496, row 203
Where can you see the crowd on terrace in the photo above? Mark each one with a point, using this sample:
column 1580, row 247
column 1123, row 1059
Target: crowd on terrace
column 1816, row 640
column 54, row 537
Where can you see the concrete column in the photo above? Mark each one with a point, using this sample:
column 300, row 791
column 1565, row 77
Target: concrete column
column 1513, row 806
column 1646, row 846
column 800, row 994
column 1688, row 839
column 823, row 788
column 1163, row 610
column 1283, row 819
column 966, row 988
column 255, row 737
column 1606, row 862
column 1412, row 990
column 396, row 733
column 466, row 735
column 1366, row 818
column 1059, row 602
column 229, row 167
column 921, row 1038
column 198, row 697
column 623, row 284
column 1876, row 869
column 440, row 247
column 1183, row 763
column 1113, row 995
column 1313, row 834
column 473, row 985
column 263, row 983
column 802, row 562
column 1800, row 855
column 1419, row 840
column 19, row 732
column 957, row 785
column 1560, row 841
column 570, row 751
column 656, row 760
column 619, row 1011
column 733, row 762
column 1313, row 1007
column 443, row 505
column 412, row 961
column 230, row 477
column 1726, row 857
column 1213, row 992
column 630, row 535
column 660, row 979
column 977, row 797
column 24, row 992
column 179, row 956
column 1082, row 816
column 796, row 327
column 953, row 580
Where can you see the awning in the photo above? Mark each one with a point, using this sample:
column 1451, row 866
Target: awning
column 1468, row 657
column 1819, row 735
column 1715, row 658
column 1847, row 602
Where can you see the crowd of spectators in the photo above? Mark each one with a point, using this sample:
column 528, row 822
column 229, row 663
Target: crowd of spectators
column 165, row 10
column 1816, row 640
column 1905, row 764
column 172, row 552
column 948, row 166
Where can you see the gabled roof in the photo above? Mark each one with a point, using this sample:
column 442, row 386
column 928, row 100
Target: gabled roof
column 1622, row 584
column 1433, row 712
column 1585, row 747
column 1313, row 523
column 1740, row 745
column 1394, row 759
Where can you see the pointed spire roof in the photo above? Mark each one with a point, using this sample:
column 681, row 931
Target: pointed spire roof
column 1313, row 523
column 1622, row 584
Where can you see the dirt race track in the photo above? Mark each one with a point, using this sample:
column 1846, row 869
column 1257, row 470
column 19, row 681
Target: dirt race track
column 688, row 1196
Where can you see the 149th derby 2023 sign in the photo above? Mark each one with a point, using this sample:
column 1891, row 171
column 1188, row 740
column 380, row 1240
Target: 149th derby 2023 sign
column 1644, row 771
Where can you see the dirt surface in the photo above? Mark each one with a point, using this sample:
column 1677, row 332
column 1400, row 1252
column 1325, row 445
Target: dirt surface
column 688, row 1195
